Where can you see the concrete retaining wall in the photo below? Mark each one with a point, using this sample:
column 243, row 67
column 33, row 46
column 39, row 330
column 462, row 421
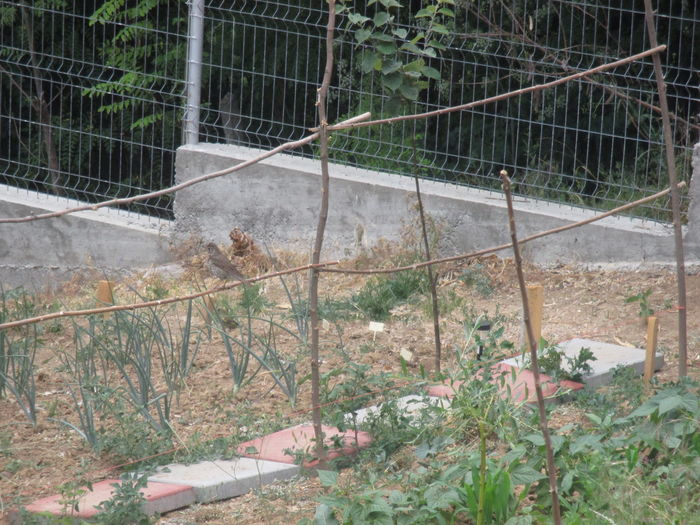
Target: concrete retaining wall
column 277, row 202
column 40, row 253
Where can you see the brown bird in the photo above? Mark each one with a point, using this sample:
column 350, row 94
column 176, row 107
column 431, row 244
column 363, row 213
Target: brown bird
column 220, row 265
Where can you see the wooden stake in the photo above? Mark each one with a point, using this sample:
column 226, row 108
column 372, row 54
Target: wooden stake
column 652, row 336
column 535, row 303
column 105, row 292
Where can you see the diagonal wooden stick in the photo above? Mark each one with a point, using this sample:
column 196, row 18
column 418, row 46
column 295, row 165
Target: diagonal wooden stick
column 551, row 467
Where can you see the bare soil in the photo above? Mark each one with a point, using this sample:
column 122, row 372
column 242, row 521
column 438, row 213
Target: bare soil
column 35, row 461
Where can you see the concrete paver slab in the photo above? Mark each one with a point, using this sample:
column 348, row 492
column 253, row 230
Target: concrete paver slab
column 160, row 497
column 223, row 479
column 514, row 382
column 282, row 446
column 608, row 357
column 410, row 405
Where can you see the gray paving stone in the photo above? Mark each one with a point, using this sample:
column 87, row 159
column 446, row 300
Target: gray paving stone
column 223, row 479
column 411, row 405
column 608, row 356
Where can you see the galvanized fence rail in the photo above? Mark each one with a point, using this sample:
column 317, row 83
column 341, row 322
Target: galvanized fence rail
column 116, row 115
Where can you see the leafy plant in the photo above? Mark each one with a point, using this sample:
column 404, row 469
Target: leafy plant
column 376, row 299
column 476, row 276
column 645, row 310
column 126, row 503
column 561, row 366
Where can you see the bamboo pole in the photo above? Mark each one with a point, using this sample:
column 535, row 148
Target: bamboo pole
column 535, row 303
column 105, row 292
column 650, row 358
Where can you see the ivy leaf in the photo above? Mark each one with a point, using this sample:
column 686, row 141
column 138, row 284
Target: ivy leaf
column 415, row 65
column 361, row 35
column 391, row 66
column 400, row 33
column 381, row 18
column 382, row 37
column 369, row 61
column 390, row 3
column 446, row 11
column 386, row 48
column 357, row 19
column 412, row 48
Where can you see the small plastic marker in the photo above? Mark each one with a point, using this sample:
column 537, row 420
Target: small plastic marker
column 375, row 327
column 406, row 355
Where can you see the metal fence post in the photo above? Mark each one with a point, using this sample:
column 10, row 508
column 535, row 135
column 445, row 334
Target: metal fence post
column 195, row 38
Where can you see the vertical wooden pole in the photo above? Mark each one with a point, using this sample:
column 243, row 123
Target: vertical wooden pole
column 535, row 303
column 105, row 292
column 675, row 195
column 652, row 336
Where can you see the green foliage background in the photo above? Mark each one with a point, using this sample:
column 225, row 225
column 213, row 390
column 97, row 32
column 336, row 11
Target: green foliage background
column 113, row 75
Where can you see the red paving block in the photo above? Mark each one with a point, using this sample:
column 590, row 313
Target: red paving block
column 300, row 439
column 160, row 497
column 521, row 385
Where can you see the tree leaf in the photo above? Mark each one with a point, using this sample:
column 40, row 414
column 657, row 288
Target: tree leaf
column 328, row 478
column 440, row 29
column 426, row 12
column 430, row 72
column 324, row 515
column 410, row 91
column 523, row 474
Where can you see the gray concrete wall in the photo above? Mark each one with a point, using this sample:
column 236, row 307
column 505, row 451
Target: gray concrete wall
column 277, row 202
column 43, row 253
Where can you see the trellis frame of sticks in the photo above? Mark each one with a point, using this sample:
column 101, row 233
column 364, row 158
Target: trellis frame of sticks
column 316, row 266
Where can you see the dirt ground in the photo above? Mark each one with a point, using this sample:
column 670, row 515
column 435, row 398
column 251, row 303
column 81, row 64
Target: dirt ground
column 585, row 304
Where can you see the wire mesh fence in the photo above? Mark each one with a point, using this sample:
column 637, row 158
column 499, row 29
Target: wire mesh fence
column 90, row 100
column 114, row 94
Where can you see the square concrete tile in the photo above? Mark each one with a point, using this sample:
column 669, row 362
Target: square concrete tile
column 410, row 405
column 223, row 479
column 608, row 356
column 281, row 446
column 160, row 497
